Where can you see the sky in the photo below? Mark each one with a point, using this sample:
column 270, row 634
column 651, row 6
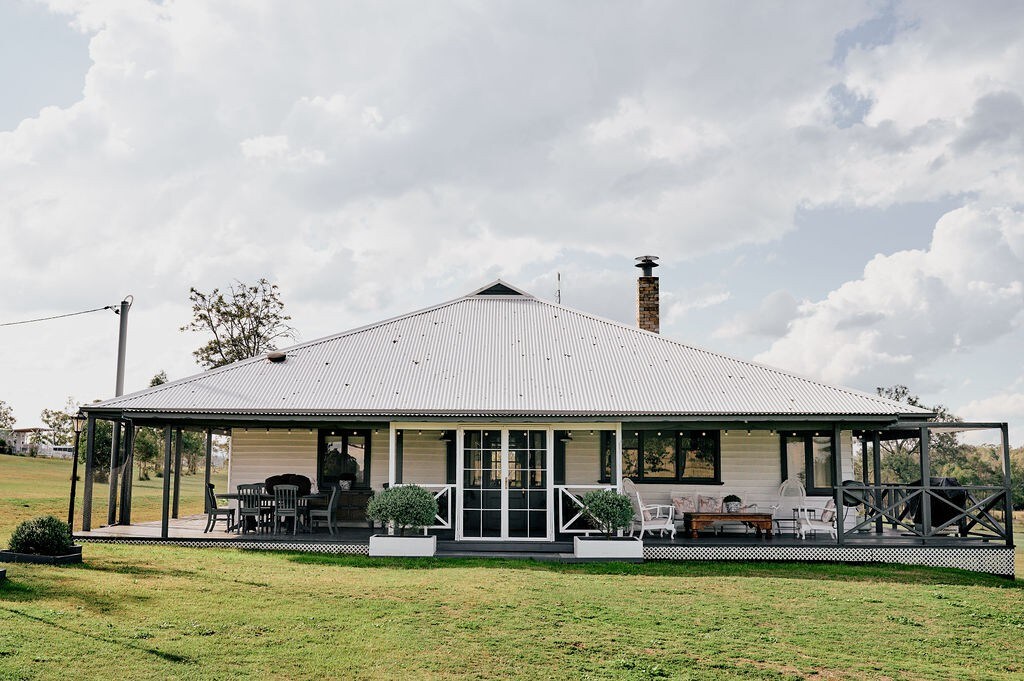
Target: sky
column 833, row 188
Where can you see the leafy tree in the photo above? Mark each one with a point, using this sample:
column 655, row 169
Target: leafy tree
column 6, row 416
column 158, row 379
column 61, row 430
column 901, row 459
column 244, row 322
column 101, row 447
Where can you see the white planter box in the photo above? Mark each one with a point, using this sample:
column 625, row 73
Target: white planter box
column 617, row 547
column 409, row 546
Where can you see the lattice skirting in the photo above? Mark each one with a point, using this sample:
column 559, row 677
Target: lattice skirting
column 309, row 547
column 996, row 560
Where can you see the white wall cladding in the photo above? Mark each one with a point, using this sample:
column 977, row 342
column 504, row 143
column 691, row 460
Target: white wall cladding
column 379, row 448
column 423, row 457
column 583, row 458
column 257, row 453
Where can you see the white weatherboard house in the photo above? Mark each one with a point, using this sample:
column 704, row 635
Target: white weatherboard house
column 509, row 408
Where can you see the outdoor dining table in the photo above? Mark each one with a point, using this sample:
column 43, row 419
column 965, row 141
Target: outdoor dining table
column 265, row 497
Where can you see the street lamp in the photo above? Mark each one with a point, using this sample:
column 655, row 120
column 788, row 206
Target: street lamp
column 77, row 422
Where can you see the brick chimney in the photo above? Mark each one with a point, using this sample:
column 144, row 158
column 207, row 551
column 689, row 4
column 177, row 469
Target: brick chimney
column 648, row 308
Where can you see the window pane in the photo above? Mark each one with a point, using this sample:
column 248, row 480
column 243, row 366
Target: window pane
column 630, row 449
column 821, row 453
column 659, row 455
column 795, row 459
column 698, row 456
column 355, row 461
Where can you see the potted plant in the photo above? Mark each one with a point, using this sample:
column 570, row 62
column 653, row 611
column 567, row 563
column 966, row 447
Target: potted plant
column 610, row 512
column 731, row 503
column 403, row 507
column 42, row 540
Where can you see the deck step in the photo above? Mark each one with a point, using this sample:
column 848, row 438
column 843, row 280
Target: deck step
column 511, row 547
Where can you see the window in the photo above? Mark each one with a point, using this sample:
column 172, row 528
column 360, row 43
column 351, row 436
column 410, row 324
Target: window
column 343, row 454
column 689, row 456
column 807, row 457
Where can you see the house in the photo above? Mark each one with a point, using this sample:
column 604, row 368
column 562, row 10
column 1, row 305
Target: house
column 509, row 408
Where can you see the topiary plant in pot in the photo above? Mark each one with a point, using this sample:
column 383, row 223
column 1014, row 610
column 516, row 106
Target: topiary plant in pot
column 610, row 512
column 731, row 503
column 42, row 540
column 403, row 507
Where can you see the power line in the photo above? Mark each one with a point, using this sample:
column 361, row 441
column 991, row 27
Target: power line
column 59, row 316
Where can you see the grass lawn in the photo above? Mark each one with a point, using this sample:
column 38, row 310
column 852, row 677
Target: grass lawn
column 163, row 612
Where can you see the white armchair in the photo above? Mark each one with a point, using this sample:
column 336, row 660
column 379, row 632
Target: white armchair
column 649, row 517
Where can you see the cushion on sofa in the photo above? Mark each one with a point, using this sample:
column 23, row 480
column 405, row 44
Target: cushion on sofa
column 684, row 504
column 709, row 504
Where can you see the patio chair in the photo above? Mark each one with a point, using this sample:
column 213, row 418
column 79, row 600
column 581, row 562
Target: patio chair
column 649, row 517
column 325, row 514
column 826, row 522
column 214, row 513
column 250, row 505
column 286, row 505
column 792, row 498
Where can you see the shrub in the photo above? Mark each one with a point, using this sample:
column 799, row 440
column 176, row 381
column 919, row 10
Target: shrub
column 609, row 509
column 46, row 536
column 404, row 506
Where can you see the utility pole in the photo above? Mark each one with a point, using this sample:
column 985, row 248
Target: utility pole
column 115, row 440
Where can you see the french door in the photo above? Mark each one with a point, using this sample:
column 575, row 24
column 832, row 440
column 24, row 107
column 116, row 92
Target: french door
column 504, row 484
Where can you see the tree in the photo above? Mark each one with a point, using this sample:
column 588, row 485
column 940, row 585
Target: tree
column 58, row 421
column 158, row 379
column 901, row 459
column 6, row 416
column 246, row 322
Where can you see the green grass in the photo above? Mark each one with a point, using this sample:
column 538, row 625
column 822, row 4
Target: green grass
column 164, row 612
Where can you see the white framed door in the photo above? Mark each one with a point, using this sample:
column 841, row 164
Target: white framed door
column 504, row 490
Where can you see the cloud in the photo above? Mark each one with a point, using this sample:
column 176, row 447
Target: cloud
column 913, row 307
column 771, row 319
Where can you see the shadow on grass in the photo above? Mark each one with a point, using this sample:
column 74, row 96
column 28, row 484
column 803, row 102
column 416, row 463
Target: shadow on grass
column 159, row 654
column 893, row 574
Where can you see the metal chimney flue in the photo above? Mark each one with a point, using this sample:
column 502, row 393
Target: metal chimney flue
column 648, row 304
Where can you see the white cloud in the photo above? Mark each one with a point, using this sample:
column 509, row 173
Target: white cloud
column 914, row 307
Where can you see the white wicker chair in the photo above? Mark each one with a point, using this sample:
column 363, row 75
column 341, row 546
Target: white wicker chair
column 649, row 517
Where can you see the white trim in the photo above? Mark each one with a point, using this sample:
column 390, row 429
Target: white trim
column 460, row 477
column 618, row 457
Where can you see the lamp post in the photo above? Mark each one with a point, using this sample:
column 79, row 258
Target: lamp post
column 78, row 423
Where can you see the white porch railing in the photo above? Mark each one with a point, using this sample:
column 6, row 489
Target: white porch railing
column 444, row 495
column 572, row 516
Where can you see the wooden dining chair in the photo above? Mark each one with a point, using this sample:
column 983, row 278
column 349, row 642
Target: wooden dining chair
column 250, row 505
column 325, row 514
column 215, row 513
column 286, row 505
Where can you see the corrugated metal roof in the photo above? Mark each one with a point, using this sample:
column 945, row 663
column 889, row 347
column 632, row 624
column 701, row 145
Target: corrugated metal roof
column 487, row 354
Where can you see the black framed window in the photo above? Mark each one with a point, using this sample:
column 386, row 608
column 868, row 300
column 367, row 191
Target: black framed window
column 687, row 456
column 807, row 457
column 343, row 454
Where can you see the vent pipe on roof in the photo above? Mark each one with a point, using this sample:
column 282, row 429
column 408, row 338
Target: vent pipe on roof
column 648, row 307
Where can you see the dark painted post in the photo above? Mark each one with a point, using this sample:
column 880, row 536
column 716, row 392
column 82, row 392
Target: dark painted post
column 926, row 484
column 209, row 462
column 864, row 460
column 125, row 517
column 177, row 473
column 399, row 447
column 166, row 502
column 90, row 447
column 837, row 475
column 115, row 468
column 74, row 477
column 876, row 446
column 1007, row 489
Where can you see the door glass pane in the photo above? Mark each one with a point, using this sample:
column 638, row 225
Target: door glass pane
column 795, row 460
column 630, row 452
column 698, row 456
column 821, row 459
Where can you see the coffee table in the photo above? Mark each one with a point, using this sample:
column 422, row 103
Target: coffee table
column 762, row 522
